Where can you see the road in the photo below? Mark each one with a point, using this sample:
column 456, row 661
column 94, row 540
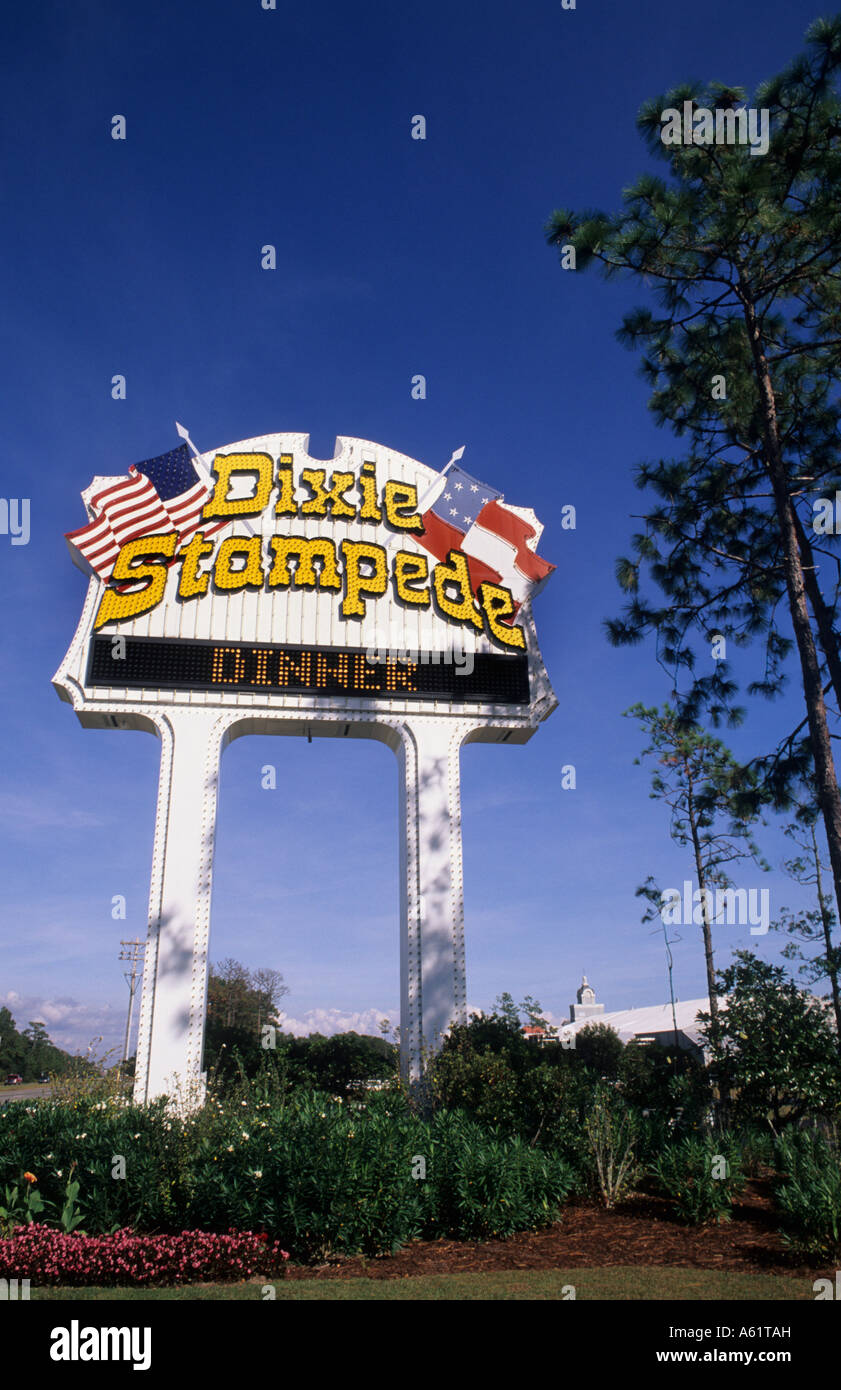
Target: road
column 25, row 1092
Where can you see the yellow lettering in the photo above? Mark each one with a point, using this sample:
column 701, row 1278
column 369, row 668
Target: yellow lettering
column 224, row 465
column 115, row 607
column 191, row 583
column 322, row 497
column 455, row 574
column 499, row 603
column 355, row 554
column 217, row 669
column 306, row 575
column 261, row 676
column 294, row 669
column 396, row 498
column 225, row 577
column 361, row 671
column 369, row 511
column 410, row 570
column 323, row 670
column 399, row 677
column 286, row 504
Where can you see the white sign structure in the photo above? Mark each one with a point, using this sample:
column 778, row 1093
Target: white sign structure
column 303, row 597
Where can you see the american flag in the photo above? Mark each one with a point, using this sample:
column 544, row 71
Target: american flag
column 162, row 494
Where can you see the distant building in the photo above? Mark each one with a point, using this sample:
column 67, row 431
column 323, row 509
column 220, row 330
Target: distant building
column 651, row 1024
column 586, row 1007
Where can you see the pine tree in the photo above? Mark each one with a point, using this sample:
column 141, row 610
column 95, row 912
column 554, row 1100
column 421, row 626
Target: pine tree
column 812, row 926
column 744, row 252
column 701, row 783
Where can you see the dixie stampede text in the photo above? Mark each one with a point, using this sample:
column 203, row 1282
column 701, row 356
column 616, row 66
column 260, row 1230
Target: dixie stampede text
column 358, row 570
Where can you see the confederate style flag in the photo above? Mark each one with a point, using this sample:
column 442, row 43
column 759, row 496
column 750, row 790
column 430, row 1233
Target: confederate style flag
column 469, row 516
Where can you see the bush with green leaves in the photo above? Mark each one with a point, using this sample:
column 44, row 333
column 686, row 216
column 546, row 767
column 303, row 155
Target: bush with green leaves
column 808, row 1193
column 600, row 1048
column 611, row 1131
column 540, row 1094
column 773, row 1047
column 484, row 1185
column 322, row 1175
column 701, row 1175
column 668, row 1082
column 483, row 1085
column 758, row 1151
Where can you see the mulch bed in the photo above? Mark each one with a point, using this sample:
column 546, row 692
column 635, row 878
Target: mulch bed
column 640, row 1231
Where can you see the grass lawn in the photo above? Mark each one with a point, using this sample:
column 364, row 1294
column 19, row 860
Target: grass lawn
column 629, row 1283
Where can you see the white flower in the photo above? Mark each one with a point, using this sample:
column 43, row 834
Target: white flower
column 258, row 1172
column 245, row 1135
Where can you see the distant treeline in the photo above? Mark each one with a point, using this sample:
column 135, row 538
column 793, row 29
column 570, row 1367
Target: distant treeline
column 31, row 1053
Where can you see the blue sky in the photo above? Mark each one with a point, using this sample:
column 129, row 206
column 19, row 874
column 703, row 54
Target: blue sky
column 395, row 257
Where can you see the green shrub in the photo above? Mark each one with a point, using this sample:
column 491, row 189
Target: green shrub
column 482, row 1084
column 611, row 1131
column 321, row 1175
column 701, row 1176
column 669, row 1083
column 757, row 1151
column 483, row 1185
column 808, row 1194
column 600, row 1048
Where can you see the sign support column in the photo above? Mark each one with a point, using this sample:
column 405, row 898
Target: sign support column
column 432, row 969
column 172, row 1010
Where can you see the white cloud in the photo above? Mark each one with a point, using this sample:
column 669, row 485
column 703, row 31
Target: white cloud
column 37, row 812
column 71, row 1024
column 331, row 1021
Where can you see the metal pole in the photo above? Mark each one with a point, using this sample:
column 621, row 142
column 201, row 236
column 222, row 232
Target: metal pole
column 131, row 954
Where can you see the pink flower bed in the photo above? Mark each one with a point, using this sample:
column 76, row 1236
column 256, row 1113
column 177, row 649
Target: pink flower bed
column 47, row 1256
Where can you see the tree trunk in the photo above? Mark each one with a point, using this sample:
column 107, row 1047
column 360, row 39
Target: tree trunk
column 826, row 781
column 721, row 1110
column 831, row 968
column 706, row 925
column 826, row 632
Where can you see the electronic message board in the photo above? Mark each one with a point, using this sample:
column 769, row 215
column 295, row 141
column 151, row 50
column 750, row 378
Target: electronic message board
column 181, row 664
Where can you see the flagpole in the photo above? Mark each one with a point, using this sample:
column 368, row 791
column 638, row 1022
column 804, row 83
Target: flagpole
column 429, row 491
column 206, row 477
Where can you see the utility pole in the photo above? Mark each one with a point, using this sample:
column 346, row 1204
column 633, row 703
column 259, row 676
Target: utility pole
column 133, row 952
